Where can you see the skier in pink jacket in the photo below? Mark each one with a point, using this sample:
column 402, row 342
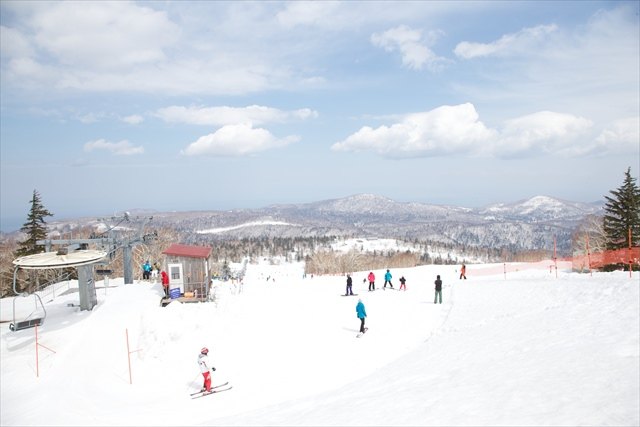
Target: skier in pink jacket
column 372, row 281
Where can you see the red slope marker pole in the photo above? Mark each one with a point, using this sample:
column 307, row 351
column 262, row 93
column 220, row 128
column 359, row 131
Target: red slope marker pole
column 555, row 257
column 129, row 355
column 589, row 257
column 629, row 255
column 37, row 358
column 37, row 353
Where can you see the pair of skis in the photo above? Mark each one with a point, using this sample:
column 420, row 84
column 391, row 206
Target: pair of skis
column 215, row 389
column 362, row 333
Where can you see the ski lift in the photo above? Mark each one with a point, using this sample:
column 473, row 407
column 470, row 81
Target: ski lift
column 35, row 318
column 44, row 260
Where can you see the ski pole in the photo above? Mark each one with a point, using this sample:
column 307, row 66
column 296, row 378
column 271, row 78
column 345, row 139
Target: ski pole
column 194, row 379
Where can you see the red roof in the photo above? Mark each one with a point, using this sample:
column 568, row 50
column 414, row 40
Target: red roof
column 188, row 251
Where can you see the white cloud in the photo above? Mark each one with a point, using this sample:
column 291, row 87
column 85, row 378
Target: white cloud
column 103, row 35
column 307, row 13
column 457, row 130
column 127, row 46
column 446, row 129
column 219, row 116
column 589, row 69
column 545, row 132
column 237, row 140
column 13, row 43
column 622, row 136
column 88, row 118
column 133, row 119
column 521, row 41
column 122, row 148
column 409, row 42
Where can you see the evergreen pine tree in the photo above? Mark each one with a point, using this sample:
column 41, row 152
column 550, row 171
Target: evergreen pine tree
column 35, row 228
column 622, row 212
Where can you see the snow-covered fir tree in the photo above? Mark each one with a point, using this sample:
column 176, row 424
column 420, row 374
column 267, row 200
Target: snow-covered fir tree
column 622, row 213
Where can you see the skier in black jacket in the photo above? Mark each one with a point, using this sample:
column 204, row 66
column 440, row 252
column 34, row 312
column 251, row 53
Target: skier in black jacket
column 438, row 283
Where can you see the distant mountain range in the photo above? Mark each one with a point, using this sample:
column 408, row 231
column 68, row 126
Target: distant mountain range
column 524, row 225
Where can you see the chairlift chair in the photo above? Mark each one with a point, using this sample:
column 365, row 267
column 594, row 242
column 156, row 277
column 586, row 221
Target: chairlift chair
column 35, row 318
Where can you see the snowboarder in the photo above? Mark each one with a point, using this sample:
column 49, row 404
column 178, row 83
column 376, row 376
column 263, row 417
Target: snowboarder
column 362, row 314
column 387, row 279
column 203, row 362
column 349, row 285
column 438, row 283
column 165, row 282
column 463, row 272
column 372, row 281
column 403, row 287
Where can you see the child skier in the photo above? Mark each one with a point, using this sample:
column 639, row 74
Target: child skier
column 203, row 362
column 402, row 284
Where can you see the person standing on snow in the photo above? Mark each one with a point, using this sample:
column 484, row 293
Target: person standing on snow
column 372, row 281
column 463, row 272
column 438, row 284
column 362, row 314
column 165, row 282
column 203, row 363
column 402, row 284
column 146, row 270
column 155, row 270
column 387, row 279
column 349, row 285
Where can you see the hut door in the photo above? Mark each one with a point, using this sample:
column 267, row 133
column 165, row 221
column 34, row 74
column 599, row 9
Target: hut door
column 175, row 277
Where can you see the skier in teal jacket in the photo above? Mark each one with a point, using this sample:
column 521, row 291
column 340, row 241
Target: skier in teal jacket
column 362, row 314
column 387, row 279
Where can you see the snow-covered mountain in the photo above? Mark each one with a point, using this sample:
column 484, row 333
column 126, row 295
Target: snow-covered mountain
column 541, row 208
column 524, row 225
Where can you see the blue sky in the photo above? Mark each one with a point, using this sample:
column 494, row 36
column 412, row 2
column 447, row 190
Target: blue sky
column 113, row 106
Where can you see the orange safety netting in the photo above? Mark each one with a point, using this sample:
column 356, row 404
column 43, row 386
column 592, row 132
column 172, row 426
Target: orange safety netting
column 510, row 267
column 582, row 263
column 597, row 260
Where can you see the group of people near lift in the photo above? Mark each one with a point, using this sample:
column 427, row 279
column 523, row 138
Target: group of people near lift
column 151, row 272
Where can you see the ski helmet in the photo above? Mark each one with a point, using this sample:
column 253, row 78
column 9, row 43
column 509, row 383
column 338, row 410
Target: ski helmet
column 204, row 350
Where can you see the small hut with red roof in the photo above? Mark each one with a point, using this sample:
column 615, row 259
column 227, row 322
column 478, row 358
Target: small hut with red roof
column 189, row 270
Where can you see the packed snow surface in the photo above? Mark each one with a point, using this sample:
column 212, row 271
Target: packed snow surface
column 511, row 345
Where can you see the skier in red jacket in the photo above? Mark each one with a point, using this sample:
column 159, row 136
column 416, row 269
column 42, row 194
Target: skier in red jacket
column 165, row 282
